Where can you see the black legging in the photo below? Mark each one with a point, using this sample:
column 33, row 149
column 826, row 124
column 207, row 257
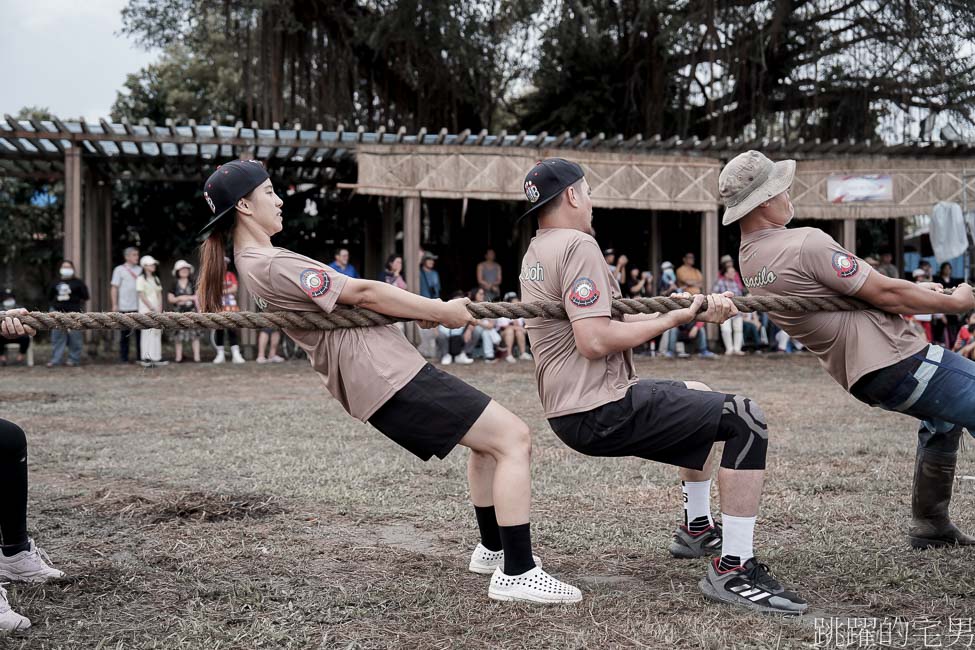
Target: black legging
column 13, row 484
column 231, row 334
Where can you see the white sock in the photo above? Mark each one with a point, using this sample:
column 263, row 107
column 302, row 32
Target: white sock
column 738, row 534
column 697, row 501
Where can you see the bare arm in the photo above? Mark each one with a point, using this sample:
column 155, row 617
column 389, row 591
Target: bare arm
column 902, row 297
column 480, row 275
column 387, row 299
column 114, row 294
column 601, row 336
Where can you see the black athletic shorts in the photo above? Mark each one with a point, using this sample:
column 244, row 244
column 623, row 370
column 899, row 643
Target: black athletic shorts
column 430, row 414
column 659, row 420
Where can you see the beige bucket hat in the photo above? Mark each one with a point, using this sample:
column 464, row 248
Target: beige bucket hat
column 748, row 180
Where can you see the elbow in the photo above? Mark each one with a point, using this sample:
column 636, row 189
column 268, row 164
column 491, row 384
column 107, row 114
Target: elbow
column 591, row 349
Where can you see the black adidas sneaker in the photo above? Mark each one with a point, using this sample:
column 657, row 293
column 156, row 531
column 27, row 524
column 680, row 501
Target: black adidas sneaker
column 687, row 545
column 752, row 587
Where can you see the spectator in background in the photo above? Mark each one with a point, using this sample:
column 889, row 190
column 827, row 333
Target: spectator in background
column 668, row 280
column 923, row 320
column 732, row 330
column 429, row 277
column 230, row 287
column 638, row 285
column 66, row 294
column 183, row 299
column 689, row 278
column 272, row 336
column 22, row 340
column 125, row 298
column 620, row 271
column 489, row 276
column 393, row 271
column 150, row 300
column 945, row 330
column 512, row 332
column 886, row 266
column 610, row 256
column 965, row 343
column 341, row 263
column 872, row 261
column 485, row 330
column 722, row 264
column 451, row 342
column 925, row 266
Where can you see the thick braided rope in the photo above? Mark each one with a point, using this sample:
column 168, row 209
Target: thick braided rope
column 345, row 318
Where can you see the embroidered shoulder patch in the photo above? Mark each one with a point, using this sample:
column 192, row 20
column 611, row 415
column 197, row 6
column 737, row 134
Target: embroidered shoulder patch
column 846, row 266
column 584, row 293
column 314, row 282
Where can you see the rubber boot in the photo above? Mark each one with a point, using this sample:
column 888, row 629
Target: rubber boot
column 934, row 478
column 235, row 354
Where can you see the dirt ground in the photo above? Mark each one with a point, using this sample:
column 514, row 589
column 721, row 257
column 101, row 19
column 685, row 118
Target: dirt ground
column 240, row 507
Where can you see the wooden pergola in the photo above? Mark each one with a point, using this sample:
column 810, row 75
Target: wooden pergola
column 652, row 174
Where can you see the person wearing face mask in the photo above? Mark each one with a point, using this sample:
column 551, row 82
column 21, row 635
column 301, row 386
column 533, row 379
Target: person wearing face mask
column 66, row 294
column 23, row 340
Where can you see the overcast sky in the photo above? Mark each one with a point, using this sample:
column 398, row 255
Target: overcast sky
column 65, row 55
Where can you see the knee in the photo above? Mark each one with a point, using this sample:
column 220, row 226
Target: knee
column 517, row 441
column 697, row 385
column 13, row 440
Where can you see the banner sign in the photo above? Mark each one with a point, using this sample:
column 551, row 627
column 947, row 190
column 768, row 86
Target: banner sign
column 860, row 188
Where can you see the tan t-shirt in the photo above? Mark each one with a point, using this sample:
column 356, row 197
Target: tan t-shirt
column 687, row 274
column 566, row 266
column 362, row 367
column 808, row 262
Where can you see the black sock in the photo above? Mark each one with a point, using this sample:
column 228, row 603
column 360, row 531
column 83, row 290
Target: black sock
column 517, row 543
column 487, row 523
column 729, row 562
column 699, row 525
column 14, row 549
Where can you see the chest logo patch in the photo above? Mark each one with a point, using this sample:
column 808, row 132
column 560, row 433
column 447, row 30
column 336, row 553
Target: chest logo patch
column 584, row 293
column 846, row 266
column 314, row 282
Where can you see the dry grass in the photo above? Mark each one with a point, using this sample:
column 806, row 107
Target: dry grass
column 228, row 507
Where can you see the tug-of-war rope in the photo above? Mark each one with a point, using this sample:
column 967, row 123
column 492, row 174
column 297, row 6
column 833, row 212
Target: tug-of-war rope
column 342, row 318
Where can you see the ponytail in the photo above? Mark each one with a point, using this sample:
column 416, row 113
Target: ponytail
column 213, row 268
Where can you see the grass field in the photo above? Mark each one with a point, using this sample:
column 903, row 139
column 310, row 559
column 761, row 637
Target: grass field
column 240, row 507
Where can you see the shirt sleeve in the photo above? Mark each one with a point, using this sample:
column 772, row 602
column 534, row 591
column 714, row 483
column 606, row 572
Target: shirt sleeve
column 823, row 260
column 298, row 278
column 117, row 277
column 586, row 290
column 140, row 283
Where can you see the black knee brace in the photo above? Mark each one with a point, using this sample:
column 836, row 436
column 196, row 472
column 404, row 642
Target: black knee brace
column 742, row 427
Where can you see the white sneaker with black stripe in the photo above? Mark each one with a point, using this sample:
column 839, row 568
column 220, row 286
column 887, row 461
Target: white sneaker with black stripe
column 485, row 561
column 750, row 586
column 533, row 586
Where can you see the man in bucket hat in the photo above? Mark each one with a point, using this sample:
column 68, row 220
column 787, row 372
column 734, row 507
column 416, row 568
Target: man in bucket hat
column 874, row 354
column 596, row 404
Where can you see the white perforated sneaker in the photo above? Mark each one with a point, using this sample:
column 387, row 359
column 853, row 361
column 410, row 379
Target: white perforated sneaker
column 533, row 586
column 485, row 561
column 10, row 621
column 32, row 565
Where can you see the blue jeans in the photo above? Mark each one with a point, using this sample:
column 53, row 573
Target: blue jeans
column 670, row 340
column 940, row 393
column 73, row 338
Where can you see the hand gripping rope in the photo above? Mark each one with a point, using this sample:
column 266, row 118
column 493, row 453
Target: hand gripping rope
column 356, row 317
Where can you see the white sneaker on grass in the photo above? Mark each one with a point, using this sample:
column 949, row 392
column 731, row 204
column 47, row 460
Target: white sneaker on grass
column 526, row 357
column 10, row 621
column 485, row 561
column 32, row 565
column 511, row 359
column 446, row 360
column 533, row 586
column 463, row 359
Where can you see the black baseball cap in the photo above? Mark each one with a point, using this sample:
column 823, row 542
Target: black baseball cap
column 547, row 179
column 228, row 184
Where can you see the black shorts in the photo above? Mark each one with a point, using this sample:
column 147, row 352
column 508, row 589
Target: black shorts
column 664, row 421
column 430, row 414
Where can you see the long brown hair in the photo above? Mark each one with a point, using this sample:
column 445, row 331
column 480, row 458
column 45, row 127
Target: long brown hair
column 213, row 266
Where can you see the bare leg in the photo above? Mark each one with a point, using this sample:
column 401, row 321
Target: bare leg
column 196, row 350
column 502, row 436
column 741, row 491
column 275, row 340
column 520, row 336
column 480, row 477
column 508, row 336
column 179, row 351
column 261, row 344
column 704, row 474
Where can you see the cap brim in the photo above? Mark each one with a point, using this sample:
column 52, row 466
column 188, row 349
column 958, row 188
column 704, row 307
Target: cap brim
column 783, row 173
column 207, row 229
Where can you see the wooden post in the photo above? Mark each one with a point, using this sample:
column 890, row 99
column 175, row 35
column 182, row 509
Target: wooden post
column 709, row 251
column 388, row 243
column 411, row 254
column 72, row 205
column 848, row 235
column 655, row 250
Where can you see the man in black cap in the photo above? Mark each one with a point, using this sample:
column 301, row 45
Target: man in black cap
column 596, row 404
